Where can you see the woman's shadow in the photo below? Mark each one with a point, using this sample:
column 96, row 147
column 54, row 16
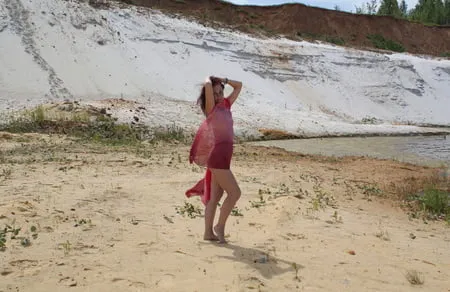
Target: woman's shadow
column 268, row 266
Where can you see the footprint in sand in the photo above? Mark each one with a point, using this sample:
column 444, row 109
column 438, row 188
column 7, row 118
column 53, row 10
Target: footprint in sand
column 25, row 209
column 130, row 283
column 146, row 246
column 293, row 236
column 26, row 267
column 24, row 264
column 68, row 281
column 252, row 283
column 166, row 281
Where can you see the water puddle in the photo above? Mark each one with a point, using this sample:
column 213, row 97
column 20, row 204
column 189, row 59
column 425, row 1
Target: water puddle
column 422, row 150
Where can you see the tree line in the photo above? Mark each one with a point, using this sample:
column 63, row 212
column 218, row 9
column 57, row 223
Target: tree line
column 425, row 11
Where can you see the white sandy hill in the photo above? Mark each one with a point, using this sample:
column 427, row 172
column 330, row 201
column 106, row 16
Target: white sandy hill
column 54, row 50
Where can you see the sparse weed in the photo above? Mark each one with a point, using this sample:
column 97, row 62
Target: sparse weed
column 85, row 223
column 369, row 120
column 94, row 127
column 34, row 233
column 189, row 209
column 6, row 173
column 282, row 189
column 384, row 235
column 336, row 217
column 414, row 277
column 370, row 190
column 296, row 269
column 3, row 234
column 2, row 240
column 236, row 212
column 66, row 246
column 264, row 191
column 322, row 199
column 170, row 134
column 259, row 203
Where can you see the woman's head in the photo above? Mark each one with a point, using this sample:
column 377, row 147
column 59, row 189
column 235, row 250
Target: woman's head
column 218, row 88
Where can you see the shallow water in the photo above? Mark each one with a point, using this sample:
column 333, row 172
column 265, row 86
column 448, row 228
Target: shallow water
column 423, row 150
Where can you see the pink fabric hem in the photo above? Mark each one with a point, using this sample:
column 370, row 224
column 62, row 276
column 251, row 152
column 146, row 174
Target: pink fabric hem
column 202, row 188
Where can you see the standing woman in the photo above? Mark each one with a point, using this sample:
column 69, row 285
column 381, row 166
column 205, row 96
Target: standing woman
column 213, row 149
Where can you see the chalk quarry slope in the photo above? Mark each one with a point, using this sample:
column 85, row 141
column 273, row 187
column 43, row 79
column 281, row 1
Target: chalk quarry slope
column 51, row 51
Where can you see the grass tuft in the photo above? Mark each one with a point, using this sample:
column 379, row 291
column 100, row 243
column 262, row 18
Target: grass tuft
column 89, row 126
column 378, row 41
column 414, row 277
column 435, row 201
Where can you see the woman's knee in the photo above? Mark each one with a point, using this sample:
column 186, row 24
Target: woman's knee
column 236, row 193
column 217, row 196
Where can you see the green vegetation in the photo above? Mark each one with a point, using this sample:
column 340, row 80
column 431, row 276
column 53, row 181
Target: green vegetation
column 188, row 209
column 428, row 12
column 96, row 127
column 335, row 40
column 433, row 203
column 14, row 233
column 381, row 43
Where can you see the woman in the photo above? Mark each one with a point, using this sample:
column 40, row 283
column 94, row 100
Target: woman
column 213, row 149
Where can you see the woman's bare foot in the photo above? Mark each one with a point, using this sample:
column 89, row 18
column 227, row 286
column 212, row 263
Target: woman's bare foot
column 220, row 231
column 210, row 236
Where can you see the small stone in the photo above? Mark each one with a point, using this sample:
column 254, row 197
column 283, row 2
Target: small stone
column 25, row 242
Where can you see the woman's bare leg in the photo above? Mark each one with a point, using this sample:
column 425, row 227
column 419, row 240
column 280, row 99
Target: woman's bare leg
column 227, row 182
column 210, row 210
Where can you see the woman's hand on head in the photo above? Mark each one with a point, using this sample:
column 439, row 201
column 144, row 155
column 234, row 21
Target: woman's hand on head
column 215, row 79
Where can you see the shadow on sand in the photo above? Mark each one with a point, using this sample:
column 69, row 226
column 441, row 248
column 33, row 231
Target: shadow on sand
column 268, row 266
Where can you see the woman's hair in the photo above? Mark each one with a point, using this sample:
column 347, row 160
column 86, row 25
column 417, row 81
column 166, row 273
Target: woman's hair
column 202, row 98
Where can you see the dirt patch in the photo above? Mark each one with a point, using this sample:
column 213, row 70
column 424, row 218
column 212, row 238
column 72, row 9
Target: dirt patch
column 272, row 134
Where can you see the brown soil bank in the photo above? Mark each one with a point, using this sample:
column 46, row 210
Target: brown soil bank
column 299, row 21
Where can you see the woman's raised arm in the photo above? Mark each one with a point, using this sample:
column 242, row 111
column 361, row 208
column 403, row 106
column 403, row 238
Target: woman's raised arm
column 237, row 86
column 209, row 96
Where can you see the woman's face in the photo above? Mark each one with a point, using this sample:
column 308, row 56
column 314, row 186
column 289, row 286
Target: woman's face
column 218, row 93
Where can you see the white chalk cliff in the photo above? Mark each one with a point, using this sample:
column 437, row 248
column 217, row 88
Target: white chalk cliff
column 52, row 50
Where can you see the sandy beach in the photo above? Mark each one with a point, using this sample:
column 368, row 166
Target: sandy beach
column 103, row 218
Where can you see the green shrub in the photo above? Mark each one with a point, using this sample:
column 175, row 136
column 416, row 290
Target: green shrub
column 380, row 42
